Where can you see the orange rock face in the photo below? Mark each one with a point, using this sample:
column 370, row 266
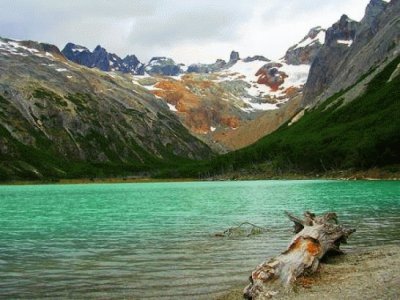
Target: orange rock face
column 271, row 76
column 232, row 122
column 175, row 93
column 251, row 131
column 198, row 103
column 292, row 91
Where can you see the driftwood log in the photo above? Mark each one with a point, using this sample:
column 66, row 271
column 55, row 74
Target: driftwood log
column 315, row 237
column 244, row 229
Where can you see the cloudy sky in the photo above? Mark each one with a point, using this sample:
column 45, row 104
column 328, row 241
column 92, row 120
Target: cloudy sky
column 187, row 30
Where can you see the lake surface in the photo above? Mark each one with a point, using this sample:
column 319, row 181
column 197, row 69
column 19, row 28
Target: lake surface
column 156, row 240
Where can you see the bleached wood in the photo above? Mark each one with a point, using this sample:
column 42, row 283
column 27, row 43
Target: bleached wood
column 315, row 236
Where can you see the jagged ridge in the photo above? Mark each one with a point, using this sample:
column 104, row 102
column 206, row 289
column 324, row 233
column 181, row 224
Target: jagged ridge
column 63, row 120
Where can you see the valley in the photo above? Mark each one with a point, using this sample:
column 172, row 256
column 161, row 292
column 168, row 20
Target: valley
column 328, row 105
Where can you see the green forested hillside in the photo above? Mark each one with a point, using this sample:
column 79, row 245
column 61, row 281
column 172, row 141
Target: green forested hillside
column 364, row 133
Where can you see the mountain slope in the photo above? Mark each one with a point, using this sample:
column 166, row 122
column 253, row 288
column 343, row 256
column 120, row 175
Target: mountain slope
column 218, row 102
column 336, row 135
column 369, row 42
column 59, row 119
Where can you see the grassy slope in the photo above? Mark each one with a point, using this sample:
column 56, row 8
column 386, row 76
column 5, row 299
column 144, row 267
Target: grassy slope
column 362, row 134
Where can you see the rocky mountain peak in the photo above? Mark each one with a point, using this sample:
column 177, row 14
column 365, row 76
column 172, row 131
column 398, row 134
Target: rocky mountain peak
column 102, row 59
column 344, row 19
column 352, row 49
column 131, row 60
column 376, row 3
column 305, row 51
column 220, row 61
column 161, row 65
column 312, row 34
column 99, row 49
column 255, row 57
column 374, row 8
column 342, row 32
column 234, row 57
column 70, row 49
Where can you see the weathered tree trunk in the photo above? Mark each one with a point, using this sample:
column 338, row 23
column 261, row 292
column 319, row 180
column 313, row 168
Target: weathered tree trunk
column 315, row 236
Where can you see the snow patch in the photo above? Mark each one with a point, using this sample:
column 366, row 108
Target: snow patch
column 248, row 69
column 152, row 87
column 11, row 48
column 17, row 45
column 257, row 106
column 61, row 70
column 212, row 129
column 345, row 42
column 79, row 49
column 297, row 77
column 15, row 48
column 172, row 107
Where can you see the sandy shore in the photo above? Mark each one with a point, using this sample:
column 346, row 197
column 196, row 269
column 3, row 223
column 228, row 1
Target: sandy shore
column 372, row 273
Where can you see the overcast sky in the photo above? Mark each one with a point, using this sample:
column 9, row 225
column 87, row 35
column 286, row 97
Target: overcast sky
column 187, row 30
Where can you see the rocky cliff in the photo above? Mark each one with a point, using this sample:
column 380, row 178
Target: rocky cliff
column 163, row 66
column 59, row 119
column 338, row 40
column 307, row 49
column 353, row 49
column 102, row 60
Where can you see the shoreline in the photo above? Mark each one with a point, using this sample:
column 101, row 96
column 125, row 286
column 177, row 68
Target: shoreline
column 95, row 181
column 171, row 180
column 370, row 175
column 368, row 273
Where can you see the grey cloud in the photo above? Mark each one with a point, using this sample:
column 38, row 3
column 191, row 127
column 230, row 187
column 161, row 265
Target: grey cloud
column 183, row 26
column 156, row 27
column 156, row 23
column 279, row 10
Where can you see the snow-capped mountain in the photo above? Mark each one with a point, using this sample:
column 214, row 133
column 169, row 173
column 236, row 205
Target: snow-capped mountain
column 55, row 114
column 102, row 59
column 163, row 66
column 268, row 85
column 305, row 51
column 213, row 99
column 338, row 41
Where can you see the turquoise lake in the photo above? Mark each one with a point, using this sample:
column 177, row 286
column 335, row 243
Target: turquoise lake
column 157, row 240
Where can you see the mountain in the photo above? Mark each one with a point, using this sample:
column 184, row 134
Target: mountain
column 163, row 66
column 221, row 64
column 207, row 68
column 330, row 103
column 103, row 60
column 307, row 49
column 279, row 84
column 211, row 100
column 353, row 48
column 220, row 101
column 60, row 119
column 350, row 119
column 74, row 118
column 338, row 40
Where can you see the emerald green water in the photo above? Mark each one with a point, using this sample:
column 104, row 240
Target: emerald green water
column 156, row 240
